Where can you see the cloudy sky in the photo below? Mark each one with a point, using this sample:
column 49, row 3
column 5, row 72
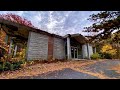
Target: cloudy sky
column 57, row 22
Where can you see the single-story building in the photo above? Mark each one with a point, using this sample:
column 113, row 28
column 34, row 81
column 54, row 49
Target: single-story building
column 43, row 45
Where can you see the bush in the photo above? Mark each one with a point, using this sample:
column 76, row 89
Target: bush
column 1, row 67
column 95, row 56
column 107, row 56
column 108, row 51
column 7, row 66
column 17, row 65
column 10, row 65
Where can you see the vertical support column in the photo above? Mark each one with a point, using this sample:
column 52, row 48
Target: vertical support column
column 10, row 46
column 84, row 51
column 68, row 48
column 88, row 50
column 15, row 50
column 27, row 48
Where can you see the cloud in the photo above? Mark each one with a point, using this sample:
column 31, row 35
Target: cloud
column 57, row 22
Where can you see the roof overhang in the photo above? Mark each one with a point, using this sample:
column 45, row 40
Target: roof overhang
column 78, row 37
column 23, row 30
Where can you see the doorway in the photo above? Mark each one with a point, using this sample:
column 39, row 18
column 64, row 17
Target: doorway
column 74, row 52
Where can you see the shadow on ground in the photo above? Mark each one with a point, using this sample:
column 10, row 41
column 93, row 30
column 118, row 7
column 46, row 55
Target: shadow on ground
column 66, row 73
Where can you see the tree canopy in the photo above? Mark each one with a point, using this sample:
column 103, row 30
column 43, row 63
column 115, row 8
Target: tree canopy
column 104, row 24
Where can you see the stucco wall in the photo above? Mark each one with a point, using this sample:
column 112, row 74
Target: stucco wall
column 90, row 50
column 84, row 51
column 59, row 49
column 37, row 46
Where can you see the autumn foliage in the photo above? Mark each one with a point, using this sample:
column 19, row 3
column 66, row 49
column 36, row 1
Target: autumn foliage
column 108, row 49
column 104, row 24
column 3, row 45
column 16, row 18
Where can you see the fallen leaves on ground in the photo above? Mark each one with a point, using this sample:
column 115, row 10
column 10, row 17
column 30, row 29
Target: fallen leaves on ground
column 116, row 68
column 41, row 68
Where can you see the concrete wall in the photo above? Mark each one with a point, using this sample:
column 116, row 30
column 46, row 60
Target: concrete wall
column 37, row 46
column 59, row 49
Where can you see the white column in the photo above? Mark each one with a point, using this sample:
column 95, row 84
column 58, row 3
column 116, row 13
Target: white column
column 10, row 46
column 84, row 51
column 15, row 50
column 68, row 48
column 88, row 51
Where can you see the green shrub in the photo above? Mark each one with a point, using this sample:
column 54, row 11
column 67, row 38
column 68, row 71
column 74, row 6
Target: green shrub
column 95, row 56
column 10, row 66
column 16, row 65
column 107, row 56
column 7, row 66
column 1, row 67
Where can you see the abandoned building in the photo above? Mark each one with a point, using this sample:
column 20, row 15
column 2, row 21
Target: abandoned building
column 42, row 45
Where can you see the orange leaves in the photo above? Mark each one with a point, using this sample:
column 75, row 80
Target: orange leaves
column 17, row 19
column 3, row 45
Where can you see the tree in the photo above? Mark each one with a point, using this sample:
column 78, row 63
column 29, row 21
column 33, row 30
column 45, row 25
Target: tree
column 105, row 23
column 3, row 45
column 17, row 19
column 108, row 51
column 107, row 26
column 107, row 48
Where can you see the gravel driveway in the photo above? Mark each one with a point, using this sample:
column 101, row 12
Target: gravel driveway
column 68, row 73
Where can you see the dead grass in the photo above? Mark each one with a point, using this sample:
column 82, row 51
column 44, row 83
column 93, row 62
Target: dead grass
column 116, row 68
column 41, row 68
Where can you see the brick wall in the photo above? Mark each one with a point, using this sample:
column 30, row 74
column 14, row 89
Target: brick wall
column 50, row 47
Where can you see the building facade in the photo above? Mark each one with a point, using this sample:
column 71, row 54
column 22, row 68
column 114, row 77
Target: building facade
column 41, row 45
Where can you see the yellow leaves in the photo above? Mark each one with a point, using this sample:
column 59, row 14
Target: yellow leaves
column 3, row 45
column 107, row 48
